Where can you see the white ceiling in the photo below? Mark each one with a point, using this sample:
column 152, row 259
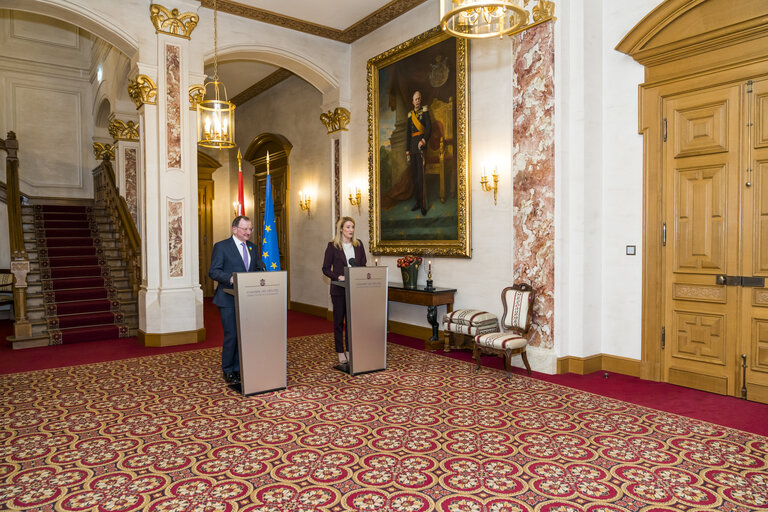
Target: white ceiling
column 338, row 14
column 239, row 75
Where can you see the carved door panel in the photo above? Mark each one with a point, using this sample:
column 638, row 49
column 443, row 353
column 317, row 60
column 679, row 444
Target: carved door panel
column 205, row 233
column 753, row 352
column 702, row 211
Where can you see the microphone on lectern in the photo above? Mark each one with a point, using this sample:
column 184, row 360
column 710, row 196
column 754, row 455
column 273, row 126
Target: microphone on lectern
column 352, row 262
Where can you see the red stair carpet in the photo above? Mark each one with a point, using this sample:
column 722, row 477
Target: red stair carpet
column 80, row 300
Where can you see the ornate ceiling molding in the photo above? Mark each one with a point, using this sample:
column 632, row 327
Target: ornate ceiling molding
column 261, row 86
column 363, row 27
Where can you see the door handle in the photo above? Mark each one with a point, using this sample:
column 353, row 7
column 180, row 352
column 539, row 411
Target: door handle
column 723, row 280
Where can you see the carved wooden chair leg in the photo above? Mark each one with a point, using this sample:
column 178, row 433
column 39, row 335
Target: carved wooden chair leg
column 507, row 357
column 525, row 361
column 476, row 357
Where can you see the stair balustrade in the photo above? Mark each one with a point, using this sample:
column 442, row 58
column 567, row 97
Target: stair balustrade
column 106, row 194
column 19, row 259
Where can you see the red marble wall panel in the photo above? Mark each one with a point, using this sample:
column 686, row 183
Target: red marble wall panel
column 175, row 238
column 533, row 171
column 173, row 104
column 131, row 197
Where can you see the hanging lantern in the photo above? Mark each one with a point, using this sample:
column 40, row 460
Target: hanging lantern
column 215, row 114
column 216, row 118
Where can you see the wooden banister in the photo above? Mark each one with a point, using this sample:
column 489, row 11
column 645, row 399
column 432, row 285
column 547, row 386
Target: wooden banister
column 19, row 258
column 105, row 194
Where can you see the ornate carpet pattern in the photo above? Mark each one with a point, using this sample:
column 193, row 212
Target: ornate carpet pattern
column 164, row 433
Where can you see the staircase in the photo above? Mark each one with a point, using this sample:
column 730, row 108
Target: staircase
column 79, row 288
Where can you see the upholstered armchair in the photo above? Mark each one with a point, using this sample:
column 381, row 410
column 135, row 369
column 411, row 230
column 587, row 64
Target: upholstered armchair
column 467, row 323
column 516, row 321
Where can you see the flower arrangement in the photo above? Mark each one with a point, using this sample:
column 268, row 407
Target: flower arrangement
column 409, row 260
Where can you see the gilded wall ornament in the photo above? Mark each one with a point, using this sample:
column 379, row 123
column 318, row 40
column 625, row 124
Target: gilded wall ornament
column 173, row 22
column 196, row 95
column 103, row 151
column 142, row 91
column 337, row 120
column 121, row 130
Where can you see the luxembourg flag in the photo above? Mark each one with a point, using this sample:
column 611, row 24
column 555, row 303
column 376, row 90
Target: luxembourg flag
column 269, row 251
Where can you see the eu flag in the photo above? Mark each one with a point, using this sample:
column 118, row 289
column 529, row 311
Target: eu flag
column 269, row 252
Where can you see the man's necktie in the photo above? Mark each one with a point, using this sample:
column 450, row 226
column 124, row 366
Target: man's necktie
column 245, row 255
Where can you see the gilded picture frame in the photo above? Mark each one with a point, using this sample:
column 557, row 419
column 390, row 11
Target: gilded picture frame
column 436, row 65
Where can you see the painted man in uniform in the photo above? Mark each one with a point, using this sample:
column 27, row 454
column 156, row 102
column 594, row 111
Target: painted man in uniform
column 418, row 132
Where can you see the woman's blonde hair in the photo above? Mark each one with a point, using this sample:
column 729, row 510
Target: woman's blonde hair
column 337, row 238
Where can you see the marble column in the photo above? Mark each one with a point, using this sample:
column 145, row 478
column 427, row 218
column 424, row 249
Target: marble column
column 170, row 297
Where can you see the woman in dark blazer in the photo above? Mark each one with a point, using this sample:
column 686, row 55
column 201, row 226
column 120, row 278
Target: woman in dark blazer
column 340, row 250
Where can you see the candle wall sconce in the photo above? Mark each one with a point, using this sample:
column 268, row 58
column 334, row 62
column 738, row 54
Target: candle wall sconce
column 488, row 188
column 304, row 202
column 355, row 198
column 236, row 207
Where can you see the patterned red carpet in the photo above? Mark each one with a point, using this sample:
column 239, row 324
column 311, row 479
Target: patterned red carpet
column 163, row 433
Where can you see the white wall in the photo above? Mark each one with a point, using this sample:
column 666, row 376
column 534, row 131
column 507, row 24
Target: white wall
column 599, row 180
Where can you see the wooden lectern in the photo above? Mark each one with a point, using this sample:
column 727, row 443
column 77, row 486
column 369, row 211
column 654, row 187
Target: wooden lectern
column 366, row 291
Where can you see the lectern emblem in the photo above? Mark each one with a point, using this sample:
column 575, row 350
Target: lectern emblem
column 368, row 275
column 262, row 282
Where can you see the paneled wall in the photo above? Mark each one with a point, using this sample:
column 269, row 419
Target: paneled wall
column 46, row 100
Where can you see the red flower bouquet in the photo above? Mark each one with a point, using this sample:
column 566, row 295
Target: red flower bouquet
column 407, row 261
column 409, row 267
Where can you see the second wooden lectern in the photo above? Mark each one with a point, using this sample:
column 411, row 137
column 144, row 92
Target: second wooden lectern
column 366, row 291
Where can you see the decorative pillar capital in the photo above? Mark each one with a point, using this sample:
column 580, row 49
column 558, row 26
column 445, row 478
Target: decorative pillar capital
column 196, row 95
column 335, row 121
column 142, row 91
column 103, row 151
column 172, row 22
column 120, row 130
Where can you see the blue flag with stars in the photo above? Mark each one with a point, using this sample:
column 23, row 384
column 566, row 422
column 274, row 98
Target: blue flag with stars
column 269, row 253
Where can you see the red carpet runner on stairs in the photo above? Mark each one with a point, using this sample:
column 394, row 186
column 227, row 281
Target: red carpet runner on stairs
column 81, row 304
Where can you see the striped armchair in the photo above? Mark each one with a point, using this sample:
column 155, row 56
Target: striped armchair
column 516, row 320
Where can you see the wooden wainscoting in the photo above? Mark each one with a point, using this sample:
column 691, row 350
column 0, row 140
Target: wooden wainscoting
column 599, row 362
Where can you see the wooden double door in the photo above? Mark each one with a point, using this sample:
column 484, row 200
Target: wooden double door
column 715, row 239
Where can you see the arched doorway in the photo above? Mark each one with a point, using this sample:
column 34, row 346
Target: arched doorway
column 206, row 166
column 279, row 150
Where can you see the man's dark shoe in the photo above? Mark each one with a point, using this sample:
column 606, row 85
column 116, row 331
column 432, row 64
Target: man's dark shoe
column 415, row 207
column 423, row 210
column 237, row 376
column 229, row 378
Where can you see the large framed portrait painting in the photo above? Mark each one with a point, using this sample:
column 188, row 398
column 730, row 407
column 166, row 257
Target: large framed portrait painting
column 420, row 196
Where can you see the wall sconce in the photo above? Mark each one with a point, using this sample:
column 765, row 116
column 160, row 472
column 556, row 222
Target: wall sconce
column 354, row 199
column 485, row 186
column 236, row 207
column 304, row 202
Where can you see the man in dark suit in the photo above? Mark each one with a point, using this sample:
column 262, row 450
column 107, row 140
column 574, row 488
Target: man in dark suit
column 419, row 129
column 235, row 254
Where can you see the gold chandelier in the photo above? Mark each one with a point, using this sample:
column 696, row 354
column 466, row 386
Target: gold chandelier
column 479, row 19
column 215, row 115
